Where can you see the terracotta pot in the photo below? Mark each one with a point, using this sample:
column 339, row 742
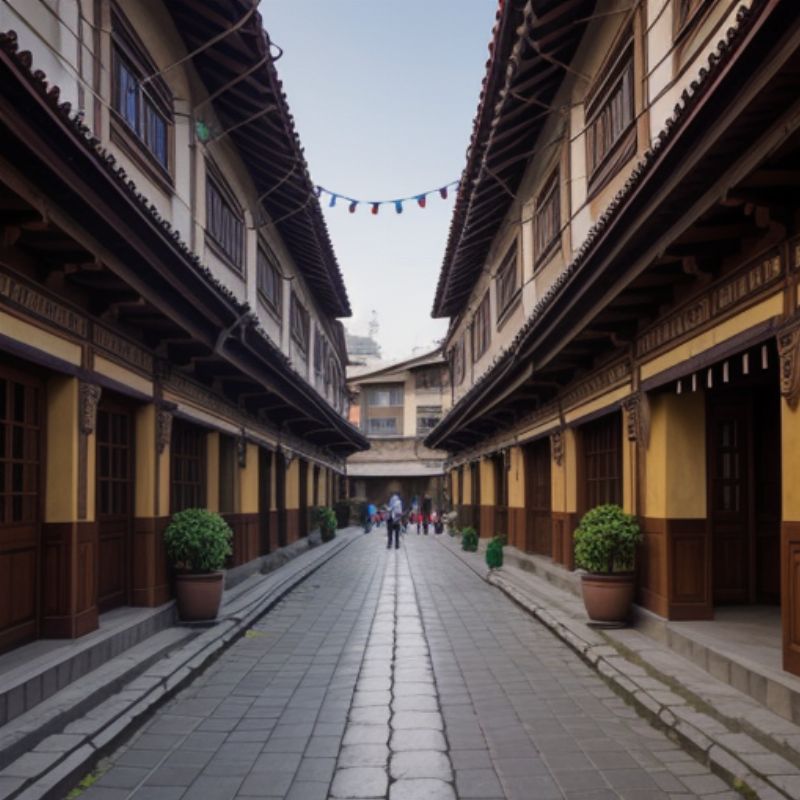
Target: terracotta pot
column 608, row 598
column 198, row 595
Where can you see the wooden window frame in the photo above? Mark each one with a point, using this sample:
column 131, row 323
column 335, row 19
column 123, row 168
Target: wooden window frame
column 507, row 283
column 481, row 326
column 459, row 355
column 299, row 323
column 216, row 183
column 687, row 13
column 266, row 269
column 128, row 49
column 547, row 214
column 602, row 465
column 618, row 71
column 428, row 412
column 176, row 486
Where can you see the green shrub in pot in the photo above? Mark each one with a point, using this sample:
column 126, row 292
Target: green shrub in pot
column 198, row 540
column 606, row 540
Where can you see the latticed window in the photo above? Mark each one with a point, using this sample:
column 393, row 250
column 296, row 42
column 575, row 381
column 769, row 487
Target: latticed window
column 507, row 281
column 188, row 448
column 427, row 418
column 459, row 361
column 610, row 113
column 602, row 453
column 20, row 450
column 385, row 395
column 224, row 221
column 480, row 329
column 146, row 108
column 268, row 279
column 299, row 321
column 547, row 218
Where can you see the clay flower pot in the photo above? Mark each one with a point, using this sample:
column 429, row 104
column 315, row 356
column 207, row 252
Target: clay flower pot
column 198, row 595
column 608, row 598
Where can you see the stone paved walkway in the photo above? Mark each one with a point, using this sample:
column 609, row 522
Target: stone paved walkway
column 400, row 675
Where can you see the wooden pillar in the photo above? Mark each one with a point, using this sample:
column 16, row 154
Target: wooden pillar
column 674, row 561
column 790, row 536
column 564, row 487
column 487, row 499
column 69, row 532
column 516, row 498
column 212, row 471
column 247, row 501
column 151, row 506
column 293, row 501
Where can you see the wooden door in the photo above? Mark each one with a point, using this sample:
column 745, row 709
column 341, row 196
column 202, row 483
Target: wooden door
column 114, row 497
column 21, row 444
column 264, row 498
column 538, row 498
column 767, row 495
column 730, row 500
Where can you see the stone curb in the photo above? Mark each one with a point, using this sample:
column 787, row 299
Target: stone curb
column 694, row 731
column 45, row 775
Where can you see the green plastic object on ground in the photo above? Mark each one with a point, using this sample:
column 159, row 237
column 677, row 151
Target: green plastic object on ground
column 494, row 553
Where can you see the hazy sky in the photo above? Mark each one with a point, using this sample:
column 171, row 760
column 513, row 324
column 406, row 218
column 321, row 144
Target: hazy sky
column 383, row 93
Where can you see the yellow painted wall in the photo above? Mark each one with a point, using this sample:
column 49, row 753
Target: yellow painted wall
column 790, row 462
column 564, row 478
column 248, row 482
column 164, row 482
column 454, row 486
column 310, row 484
column 675, row 466
column 212, row 471
column 516, row 479
column 146, row 459
column 33, row 336
column 467, row 493
column 293, row 485
column 61, row 493
column 606, row 400
column 126, row 377
column 487, row 482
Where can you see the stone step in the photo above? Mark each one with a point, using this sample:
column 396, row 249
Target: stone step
column 34, row 672
column 49, row 717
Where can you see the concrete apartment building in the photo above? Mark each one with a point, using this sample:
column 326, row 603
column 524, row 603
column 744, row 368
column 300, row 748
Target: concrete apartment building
column 622, row 281
column 396, row 406
column 169, row 304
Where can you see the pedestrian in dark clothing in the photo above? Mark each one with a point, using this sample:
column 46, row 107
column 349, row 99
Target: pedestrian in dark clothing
column 394, row 520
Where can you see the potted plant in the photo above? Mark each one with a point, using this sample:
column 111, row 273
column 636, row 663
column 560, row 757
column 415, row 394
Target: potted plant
column 469, row 540
column 494, row 552
column 198, row 542
column 327, row 521
column 605, row 546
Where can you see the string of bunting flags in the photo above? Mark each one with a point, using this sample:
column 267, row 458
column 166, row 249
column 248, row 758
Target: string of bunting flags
column 374, row 205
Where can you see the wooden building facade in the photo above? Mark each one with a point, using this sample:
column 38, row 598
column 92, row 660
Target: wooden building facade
column 623, row 279
column 168, row 304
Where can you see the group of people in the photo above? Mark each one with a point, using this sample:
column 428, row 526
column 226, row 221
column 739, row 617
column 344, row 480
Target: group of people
column 397, row 518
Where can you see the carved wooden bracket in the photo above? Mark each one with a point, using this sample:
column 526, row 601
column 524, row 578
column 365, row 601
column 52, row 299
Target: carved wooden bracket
column 89, row 398
column 637, row 408
column 557, row 446
column 789, row 354
column 241, row 450
column 163, row 429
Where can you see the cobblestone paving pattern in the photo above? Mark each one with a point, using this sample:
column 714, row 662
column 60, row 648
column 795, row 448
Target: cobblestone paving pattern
column 400, row 675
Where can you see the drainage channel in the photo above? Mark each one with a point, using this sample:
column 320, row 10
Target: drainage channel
column 394, row 744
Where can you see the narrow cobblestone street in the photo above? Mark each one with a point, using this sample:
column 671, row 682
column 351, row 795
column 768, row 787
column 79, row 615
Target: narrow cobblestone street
column 400, row 674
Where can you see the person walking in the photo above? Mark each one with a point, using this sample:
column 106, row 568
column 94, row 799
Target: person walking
column 394, row 520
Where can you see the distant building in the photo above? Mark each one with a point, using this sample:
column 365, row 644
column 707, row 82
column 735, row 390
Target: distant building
column 396, row 406
column 361, row 346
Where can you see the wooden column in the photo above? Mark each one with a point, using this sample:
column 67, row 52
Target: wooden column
column 674, row 562
column 564, row 485
column 516, row 499
column 151, row 585
column 212, row 471
column 487, row 499
column 247, row 502
column 790, row 536
column 69, row 533
column 293, row 501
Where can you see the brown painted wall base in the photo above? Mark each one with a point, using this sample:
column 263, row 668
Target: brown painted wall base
column 790, row 595
column 245, row 537
column 564, row 524
column 516, row 528
column 273, row 531
column 485, row 521
column 151, row 574
column 69, row 579
column 292, row 525
column 674, row 568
